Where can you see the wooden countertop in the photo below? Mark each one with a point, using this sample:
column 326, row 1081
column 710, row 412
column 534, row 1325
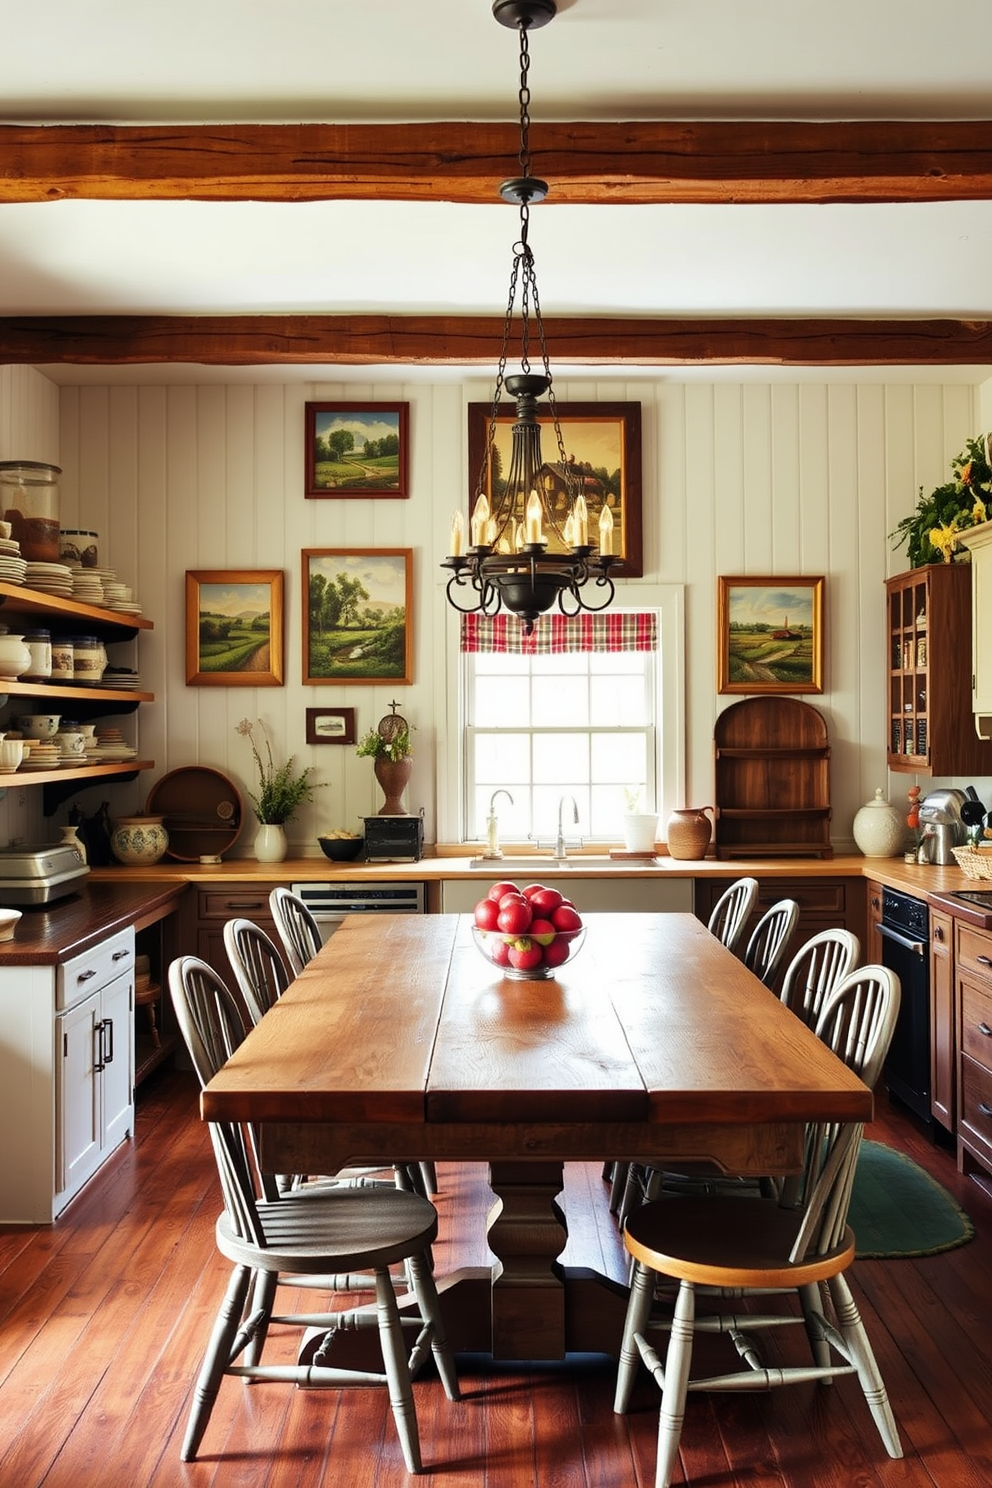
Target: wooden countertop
column 48, row 934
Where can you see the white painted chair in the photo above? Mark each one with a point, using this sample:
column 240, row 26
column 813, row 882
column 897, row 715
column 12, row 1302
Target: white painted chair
column 730, row 912
column 816, row 969
column 718, row 1244
column 299, row 1237
column 298, row 930
column 770, row 940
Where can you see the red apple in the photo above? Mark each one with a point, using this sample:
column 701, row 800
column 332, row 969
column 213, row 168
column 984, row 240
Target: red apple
column 525, row 955
column 486, row 914
column 542, row 931
column 514, row 917
column 565, row 918
column 532, row 889
column 499, row 889
column 556, row 954
column 513, row 897
column 543, row 901
column 498, row 950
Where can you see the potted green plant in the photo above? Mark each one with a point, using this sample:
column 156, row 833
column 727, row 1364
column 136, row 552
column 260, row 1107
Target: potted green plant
column 281, row 791
column 930, row 532
column 390, row 750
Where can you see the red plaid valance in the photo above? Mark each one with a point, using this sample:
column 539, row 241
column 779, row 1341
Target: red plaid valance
column 556, row 634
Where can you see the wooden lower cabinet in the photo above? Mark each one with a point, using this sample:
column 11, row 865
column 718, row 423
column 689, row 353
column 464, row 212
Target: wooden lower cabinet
column 208, row 911
column 973, row 950
column 824, row 904
column 943, row 1023
column 872, row 945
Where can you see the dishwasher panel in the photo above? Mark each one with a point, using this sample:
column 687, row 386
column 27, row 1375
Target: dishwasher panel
column 330, row 902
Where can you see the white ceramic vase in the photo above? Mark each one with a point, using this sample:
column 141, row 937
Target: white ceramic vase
column 270, row 843
column 639, row 831
column 879, row 830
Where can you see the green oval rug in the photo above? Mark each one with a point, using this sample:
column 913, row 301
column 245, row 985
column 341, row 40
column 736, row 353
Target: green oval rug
column 897, row 1209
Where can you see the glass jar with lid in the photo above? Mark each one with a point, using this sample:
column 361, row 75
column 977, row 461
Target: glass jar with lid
column 89, row 658
column 29, row 501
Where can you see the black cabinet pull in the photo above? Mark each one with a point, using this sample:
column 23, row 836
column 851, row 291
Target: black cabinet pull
column 108, row 1043
column 98, row 1047
column 84, row 976
column 119, row 955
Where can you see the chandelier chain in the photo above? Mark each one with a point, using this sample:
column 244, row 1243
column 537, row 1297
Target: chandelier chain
column 524, row 100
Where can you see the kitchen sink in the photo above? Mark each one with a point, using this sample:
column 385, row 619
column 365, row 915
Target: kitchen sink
column 529, row 864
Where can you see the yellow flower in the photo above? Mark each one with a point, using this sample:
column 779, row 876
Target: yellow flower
column 978, row 512
column 944, row 539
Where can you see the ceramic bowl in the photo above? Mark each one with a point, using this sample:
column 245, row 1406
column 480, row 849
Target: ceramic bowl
column 8, row 923
column 341, row 849
column 502, row 950
column 38, row 725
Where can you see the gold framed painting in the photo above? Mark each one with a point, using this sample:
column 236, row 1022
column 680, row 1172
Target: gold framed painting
column 770, row 634
column 357, row 615
column 603, row 453
column 234, row 627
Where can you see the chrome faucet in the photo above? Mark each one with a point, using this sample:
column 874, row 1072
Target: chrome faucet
column 493, row 849
column 560, row 854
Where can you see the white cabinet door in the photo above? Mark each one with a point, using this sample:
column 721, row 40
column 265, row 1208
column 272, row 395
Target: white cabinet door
column 117, row 1045
column 79, row 1137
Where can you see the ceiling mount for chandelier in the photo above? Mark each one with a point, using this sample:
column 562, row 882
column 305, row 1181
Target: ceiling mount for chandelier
column 515, row 521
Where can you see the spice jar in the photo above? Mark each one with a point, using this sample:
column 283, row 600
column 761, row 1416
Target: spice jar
column 88, row 660
column 29, row 501
column 62, row 659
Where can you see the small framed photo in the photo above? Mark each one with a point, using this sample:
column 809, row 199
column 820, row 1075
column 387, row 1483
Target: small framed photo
column 603, row 454
column 234, row 627
column 357, row 615
column 330, row 725
column 770, row 635
column 357, row 449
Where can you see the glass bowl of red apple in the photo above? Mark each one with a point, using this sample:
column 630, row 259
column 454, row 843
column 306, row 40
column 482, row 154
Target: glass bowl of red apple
column 527, row 934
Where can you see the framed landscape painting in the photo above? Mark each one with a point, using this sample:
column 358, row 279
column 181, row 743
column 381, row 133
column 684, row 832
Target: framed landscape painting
column 234, row 627
column 357, row 449
column 357, row 615
column 603, row 452
column 770, row 635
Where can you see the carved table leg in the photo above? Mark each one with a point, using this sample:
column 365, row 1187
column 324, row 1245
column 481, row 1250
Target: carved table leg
column 527, row 1233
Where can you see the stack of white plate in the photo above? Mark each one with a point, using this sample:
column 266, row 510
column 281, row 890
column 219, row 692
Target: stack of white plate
column 44, row 755
column 111, row 747
column 50, row 578
column 125, row 678
column 116, row 594
column 86, row 586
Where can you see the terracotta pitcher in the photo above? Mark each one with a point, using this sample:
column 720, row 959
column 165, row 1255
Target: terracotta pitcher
column 689, row 832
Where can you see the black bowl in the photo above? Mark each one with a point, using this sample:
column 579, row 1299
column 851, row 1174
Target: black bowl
column 341, row 849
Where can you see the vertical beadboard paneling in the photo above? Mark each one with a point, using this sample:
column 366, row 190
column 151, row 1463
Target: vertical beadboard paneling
column 737, row 478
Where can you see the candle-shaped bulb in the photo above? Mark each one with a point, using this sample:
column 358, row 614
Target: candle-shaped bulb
column 605, row 531
column 480, row 520
column 581, row 528
column 518, row 537
column 457, row 535
column 532, row 521
column 568, row 531
column 490, row 533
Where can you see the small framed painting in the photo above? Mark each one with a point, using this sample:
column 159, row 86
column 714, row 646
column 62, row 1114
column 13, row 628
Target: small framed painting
column 770, row 635
column 234, row 627
column 603, row 455
column 357, row 449
column 330, row 725
column 357, row 615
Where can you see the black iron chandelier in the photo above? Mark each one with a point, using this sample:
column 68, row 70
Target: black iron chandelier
column 516, row 520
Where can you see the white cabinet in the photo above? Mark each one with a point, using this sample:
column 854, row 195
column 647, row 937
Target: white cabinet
column 979, row 540
column 67, row 1053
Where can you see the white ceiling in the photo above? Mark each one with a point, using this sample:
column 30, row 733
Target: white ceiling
column 394, row 60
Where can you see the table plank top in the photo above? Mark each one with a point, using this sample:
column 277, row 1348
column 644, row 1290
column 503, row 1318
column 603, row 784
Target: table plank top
column 399, row 1019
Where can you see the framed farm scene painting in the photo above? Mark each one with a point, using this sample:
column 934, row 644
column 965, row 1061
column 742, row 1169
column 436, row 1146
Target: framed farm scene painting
column 770, row 635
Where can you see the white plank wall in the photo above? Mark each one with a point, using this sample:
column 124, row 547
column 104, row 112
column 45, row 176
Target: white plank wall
column 759, row 478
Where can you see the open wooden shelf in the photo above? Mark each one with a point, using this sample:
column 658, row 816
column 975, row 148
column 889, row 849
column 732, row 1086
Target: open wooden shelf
column 772, row 789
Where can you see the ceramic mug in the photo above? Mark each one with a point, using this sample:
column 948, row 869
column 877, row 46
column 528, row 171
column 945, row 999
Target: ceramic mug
column 71, row 744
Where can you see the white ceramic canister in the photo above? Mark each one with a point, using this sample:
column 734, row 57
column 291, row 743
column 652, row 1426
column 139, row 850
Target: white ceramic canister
column 62, row 659
column 88, row 660
column 15, row 658
column 138, row 839
column 879, row 829
column 39, row 643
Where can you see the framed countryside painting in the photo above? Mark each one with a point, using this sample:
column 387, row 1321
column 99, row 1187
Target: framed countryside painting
column 234, row 627
column 357, row 449
column 603, row 450
column 331, row 726
column 770, row 635
column 357, row 615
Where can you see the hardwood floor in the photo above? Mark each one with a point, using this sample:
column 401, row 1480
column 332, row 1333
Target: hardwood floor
column 103, row 1320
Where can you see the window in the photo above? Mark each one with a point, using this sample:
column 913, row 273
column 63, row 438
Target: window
column 586, row 708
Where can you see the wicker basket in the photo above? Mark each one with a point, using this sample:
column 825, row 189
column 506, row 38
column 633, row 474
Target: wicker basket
column 973, row 862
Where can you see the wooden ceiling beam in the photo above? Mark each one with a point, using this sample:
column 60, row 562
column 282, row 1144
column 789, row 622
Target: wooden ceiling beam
column 603, row 162
column 246, row 340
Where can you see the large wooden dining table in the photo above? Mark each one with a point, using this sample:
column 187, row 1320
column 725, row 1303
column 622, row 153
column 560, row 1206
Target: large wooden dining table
column 399, row 1042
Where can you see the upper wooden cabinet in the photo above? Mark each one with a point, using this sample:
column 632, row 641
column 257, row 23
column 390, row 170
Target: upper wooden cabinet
column 931, row 725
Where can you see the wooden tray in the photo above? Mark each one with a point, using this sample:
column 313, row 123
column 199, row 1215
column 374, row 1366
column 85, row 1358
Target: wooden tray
column 202, row 812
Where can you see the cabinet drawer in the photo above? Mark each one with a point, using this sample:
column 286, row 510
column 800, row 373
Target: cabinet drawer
column 974, row 951
column 976, row 1023
column 227, row 904
column 93, row 969
column 976, row 1103
column 819, row 896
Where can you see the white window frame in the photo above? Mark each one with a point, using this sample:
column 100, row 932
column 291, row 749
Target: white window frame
column 669, row 601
